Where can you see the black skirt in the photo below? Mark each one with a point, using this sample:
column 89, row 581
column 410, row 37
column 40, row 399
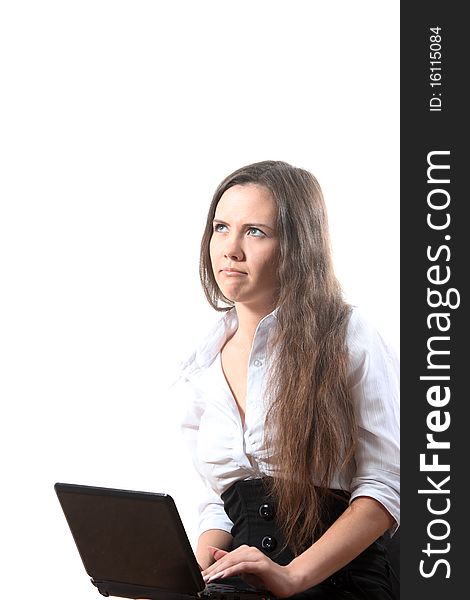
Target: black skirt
column 253, row 514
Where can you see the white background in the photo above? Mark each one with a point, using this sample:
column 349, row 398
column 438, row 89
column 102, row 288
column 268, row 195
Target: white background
column 118, row 120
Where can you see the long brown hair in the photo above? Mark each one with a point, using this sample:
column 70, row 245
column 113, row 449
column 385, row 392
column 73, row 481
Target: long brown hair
column 310, row 424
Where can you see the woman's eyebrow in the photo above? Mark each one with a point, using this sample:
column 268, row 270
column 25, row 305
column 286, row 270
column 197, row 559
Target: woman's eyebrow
column 246, row 224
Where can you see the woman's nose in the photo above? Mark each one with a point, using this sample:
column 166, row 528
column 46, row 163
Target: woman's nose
column 233, row 248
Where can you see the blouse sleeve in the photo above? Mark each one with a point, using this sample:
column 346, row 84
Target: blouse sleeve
column 211, row 507
column 374, row 383
column 212, row 514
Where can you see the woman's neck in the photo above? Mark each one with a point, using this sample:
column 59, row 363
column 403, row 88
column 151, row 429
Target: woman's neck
column 248, row 320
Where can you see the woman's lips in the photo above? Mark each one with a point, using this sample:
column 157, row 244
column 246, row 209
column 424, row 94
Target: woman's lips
column 233, row 272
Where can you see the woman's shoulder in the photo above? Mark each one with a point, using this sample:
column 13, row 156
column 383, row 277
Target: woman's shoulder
column 365, row 338
column 361, row 325
column 203, row 353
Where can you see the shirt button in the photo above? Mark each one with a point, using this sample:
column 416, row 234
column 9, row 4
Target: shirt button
column 258, row 362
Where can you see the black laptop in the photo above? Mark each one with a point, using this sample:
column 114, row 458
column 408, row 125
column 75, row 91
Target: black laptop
column 134, row 545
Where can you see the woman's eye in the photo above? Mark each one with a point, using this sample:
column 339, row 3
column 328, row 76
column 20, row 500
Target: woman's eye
column 220, row 227
column 255, row 232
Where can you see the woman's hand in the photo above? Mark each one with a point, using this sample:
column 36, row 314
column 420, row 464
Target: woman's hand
column 254, row 567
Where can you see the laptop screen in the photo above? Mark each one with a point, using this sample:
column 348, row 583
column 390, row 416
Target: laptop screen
column 130, row 537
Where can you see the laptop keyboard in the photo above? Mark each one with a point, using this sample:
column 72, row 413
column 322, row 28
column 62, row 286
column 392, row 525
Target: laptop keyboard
column 221, row 591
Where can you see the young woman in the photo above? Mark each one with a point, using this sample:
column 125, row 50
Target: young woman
column 292, row 401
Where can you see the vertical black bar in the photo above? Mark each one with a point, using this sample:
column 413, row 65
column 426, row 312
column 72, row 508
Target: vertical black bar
column 435, row 528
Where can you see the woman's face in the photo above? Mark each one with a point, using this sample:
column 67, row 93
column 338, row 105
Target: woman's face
column 244, row 247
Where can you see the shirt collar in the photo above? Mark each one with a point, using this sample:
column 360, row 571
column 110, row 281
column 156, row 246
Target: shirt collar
column 211, row 345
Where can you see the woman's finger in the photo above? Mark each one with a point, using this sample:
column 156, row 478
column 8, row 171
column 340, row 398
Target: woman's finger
column 217, row 553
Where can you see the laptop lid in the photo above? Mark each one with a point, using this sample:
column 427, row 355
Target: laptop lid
column 130, row 540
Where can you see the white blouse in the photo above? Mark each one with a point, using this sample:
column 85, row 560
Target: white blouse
column 224, row 451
